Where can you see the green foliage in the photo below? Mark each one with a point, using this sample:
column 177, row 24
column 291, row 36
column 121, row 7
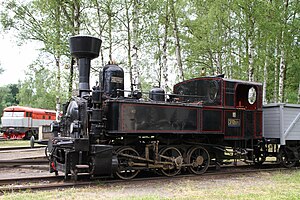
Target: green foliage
column 8, row 96
column 217, row 35
column 14, row 143
column 50, row 23
column 38, row 89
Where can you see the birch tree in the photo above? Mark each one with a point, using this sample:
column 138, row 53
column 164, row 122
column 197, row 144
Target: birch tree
column 164, row 72
column 39, row 21
column 299, row 93
column 177, row 39
column 265, row 77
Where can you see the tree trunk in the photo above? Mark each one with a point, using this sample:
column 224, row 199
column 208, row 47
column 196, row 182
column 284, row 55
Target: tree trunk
column 265, row 77
column 282, row 69
column 251, row 60
column 276, row 74
column 129, row 47
column 160, row 63
column 211, row 62
column 299, row 93
column 75, row 23
column 219, row 63
column 177, row 41
column 231, row 58
column 58, row 54
column 135, row 32
column 110, row 13
column 100, row 26
column 250, row 40
column 239, row 58
column 58, row 76
column 165, row 79
column 282, row 66
column 71, row 77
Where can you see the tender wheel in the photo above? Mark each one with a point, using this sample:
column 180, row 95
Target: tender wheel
column 287, row 157
column 174, row 158
column 125, row 170
column 199, row 158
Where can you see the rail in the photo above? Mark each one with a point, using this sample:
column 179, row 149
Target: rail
column 18, row 162
column 56, row 181
column 20, row 148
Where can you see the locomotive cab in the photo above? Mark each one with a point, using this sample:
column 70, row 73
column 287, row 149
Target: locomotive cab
column 246, row 97
column 205, row 91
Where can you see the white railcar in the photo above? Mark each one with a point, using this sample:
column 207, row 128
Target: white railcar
column 20, row 122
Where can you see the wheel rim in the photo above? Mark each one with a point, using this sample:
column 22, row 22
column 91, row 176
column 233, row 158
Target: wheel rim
column 259, row 159
column 287, row 157
column 125, row 171
column 174, row 154
column 199, row 158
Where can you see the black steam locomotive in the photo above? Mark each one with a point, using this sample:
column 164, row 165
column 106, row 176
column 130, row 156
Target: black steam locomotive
column 204, row 122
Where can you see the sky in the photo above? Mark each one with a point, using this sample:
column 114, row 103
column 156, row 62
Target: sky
column 14, row 59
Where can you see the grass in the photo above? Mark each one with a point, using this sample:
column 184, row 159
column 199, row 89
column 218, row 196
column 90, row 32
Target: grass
column 262, row 186
column 15, row 143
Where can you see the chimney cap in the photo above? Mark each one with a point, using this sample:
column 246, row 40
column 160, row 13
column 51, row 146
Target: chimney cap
column 82, row 46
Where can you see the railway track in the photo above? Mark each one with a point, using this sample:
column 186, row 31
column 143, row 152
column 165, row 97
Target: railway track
column 18, row 162
column 16, row 153
column 24, row 180
column 56, row 182
column 4, row 149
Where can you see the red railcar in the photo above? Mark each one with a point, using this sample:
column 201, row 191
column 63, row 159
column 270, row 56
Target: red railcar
column 20, row 122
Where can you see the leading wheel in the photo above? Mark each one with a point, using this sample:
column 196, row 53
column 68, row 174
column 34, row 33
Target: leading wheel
column 287, row 157
column 199, row 158
column 125, row 170
column 173, row 159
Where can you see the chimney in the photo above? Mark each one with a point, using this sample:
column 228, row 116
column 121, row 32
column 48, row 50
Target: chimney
column 84, row 49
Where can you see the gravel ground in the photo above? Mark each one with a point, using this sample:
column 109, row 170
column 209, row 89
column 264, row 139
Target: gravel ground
column 198, row 187
column 23, row 171
column 238, row 186
column 22, row 153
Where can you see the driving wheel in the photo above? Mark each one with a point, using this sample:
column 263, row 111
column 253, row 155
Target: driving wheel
column 125, row 169
column 199, row 158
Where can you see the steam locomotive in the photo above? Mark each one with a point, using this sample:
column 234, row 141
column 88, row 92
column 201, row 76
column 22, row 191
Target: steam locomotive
column 206, row 121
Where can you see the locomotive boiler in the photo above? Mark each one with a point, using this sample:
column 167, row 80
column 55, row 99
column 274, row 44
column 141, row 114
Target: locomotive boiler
column 205, row 122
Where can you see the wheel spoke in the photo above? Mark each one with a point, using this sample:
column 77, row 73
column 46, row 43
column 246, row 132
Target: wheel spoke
column 175, row 157
column 125, row 171
column 199, row 158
